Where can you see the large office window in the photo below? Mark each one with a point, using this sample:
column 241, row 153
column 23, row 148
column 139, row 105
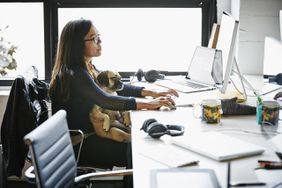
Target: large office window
column 152, row 34
column 147, row 38
column 22, row 25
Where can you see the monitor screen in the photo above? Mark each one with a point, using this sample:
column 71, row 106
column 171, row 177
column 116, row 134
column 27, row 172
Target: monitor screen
column 227, row 42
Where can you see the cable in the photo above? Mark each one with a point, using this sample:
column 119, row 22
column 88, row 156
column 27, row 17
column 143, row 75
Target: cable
column 250, row 87
column 276, row 185
column 240, row 92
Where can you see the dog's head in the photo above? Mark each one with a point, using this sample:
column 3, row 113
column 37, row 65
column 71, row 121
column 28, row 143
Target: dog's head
column 110, row 81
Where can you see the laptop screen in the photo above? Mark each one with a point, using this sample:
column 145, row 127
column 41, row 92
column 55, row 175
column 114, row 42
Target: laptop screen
column 200, row 67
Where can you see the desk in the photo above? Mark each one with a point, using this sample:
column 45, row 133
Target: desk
column 241, row 169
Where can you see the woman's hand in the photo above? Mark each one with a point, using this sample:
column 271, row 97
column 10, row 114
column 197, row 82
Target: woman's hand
column 156, row 94
column 156, row 103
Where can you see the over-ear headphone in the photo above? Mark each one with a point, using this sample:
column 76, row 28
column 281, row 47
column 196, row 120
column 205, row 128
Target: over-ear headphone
column 156, row 130
column 277, row 79
column 150, row 76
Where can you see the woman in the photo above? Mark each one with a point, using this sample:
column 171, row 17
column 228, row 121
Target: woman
column 72, row 88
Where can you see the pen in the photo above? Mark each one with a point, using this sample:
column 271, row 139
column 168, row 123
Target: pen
column 247, row 184
column 184, row 105
column 270, row 164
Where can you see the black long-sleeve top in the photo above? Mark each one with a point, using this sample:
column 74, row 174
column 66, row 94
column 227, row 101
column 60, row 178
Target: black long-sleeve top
column 84, row 93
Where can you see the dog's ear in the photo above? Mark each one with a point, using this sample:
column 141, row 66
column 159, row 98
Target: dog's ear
column 103, row 79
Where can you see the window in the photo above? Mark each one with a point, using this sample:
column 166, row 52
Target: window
column 147, row 38
column 153, row 34
column 25, row 30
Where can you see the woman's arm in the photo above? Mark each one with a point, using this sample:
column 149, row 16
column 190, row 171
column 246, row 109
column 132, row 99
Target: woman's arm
column 84, row 86
column 89, row 90
column 136, row 91
column 155, row 94
column 131, row 90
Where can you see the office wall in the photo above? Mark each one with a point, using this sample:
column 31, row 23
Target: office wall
column 258, row 18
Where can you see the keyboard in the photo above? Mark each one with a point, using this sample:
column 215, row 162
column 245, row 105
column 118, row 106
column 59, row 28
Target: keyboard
column 190, row 84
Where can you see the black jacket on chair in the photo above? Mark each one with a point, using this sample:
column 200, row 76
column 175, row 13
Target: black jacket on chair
column 26, row 109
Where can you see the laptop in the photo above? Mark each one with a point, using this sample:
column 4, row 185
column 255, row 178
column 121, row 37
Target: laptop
column 199, row 76
column 217, row 146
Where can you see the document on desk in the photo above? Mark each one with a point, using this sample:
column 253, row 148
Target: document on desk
column 168, row 155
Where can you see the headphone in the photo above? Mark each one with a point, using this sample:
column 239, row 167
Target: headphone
column 277, row 79
column 150, row 76
column 156, row 129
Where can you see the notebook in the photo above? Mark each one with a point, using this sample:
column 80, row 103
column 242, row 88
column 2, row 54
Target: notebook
column 199, row 75
column 217, row 146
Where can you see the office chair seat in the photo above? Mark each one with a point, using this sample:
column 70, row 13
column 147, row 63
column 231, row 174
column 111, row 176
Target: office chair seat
column 53, row 157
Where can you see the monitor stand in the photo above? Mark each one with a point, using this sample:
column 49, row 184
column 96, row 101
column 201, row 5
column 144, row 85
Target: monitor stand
column 241, row 96
column 241, row 79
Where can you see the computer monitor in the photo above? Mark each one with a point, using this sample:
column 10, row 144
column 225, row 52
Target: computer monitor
column 227, row 43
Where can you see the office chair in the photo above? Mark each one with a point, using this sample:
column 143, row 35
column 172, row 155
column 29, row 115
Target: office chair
column 26, row 109
column 53, row 158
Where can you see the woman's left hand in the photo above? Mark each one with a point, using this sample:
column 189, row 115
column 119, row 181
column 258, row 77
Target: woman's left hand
column 156, row 94
column 169, row 92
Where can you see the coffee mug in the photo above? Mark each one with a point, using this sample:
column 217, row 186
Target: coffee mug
column 210, row 110
column 270, row 112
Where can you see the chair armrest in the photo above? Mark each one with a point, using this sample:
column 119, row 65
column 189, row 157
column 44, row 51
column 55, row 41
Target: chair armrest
column 30, row 175
column 86, row 177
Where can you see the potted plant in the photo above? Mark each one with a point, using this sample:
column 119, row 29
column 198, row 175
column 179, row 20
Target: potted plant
column 7, row 50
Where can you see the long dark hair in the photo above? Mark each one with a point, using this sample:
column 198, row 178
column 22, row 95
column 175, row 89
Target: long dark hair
column 70, row 54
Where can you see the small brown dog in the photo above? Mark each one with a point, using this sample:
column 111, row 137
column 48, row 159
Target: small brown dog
column 111, row 124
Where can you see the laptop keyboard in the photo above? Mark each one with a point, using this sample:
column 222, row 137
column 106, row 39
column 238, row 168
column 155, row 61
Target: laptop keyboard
column 184, row 85
column 191, row 84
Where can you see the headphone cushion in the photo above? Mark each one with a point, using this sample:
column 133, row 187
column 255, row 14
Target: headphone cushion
column 147, row 123
column 153, row 75
column 139, row 74
column 175, row 130
column 156, row 129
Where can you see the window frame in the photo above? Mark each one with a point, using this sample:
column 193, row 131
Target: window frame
column 50, row 9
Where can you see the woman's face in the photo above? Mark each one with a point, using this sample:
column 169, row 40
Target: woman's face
column 92, row 43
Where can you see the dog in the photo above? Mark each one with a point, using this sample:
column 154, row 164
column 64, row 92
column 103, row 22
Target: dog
column 111, row 124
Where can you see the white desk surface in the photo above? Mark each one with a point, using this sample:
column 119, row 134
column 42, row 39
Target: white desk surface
column 243, row 127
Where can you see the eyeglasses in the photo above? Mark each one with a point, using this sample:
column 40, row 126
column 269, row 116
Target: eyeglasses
column 96, row 39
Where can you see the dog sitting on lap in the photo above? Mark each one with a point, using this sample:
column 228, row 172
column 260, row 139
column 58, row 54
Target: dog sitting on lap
column 111, row 124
